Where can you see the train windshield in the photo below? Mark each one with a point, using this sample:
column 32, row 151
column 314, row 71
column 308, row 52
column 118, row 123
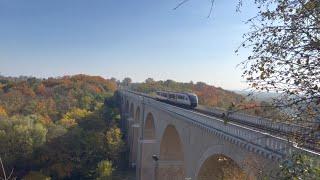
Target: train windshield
column 193, row 99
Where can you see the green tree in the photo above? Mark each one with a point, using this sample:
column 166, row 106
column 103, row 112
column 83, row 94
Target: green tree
column 19, row 136
column 149, row 81
column 55, row 131
column 126, row 81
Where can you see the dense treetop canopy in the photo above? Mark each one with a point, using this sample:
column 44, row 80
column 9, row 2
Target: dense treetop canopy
column 60, row 128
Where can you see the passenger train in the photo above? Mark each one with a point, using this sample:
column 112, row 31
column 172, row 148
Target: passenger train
column 189, row 100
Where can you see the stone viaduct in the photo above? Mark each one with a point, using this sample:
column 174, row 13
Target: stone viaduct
column 171, row 143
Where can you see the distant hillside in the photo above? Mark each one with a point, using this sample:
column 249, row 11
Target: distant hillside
column 208, row 95
column 258, row 96
column 52, row 97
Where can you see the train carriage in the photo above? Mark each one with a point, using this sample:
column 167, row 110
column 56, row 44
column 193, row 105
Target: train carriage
column 189, row 100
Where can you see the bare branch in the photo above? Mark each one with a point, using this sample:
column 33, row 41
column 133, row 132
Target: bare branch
column 3, row 170
column 180, row 4
column 211, row 7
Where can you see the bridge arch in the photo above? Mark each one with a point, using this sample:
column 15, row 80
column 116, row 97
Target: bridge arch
column 171, row 163
column 218, row 167
column 219, row 163
column 149, row 129
column 171, row 146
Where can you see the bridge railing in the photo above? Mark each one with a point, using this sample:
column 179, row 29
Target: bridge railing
column 259, row 121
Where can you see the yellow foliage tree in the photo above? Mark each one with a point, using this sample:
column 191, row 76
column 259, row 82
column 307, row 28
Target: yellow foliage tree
column 104, row 170
column 114, row 141
column 70, row 118
column 76, row 113
column 67, row 122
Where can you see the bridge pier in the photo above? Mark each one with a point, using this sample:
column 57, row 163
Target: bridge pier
column 129, row 137
column 123, row 124
column 129, row 123
column 135, row 132
column 146, row 167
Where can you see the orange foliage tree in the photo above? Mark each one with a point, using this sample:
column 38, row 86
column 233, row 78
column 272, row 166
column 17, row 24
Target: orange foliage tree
column 3, row 112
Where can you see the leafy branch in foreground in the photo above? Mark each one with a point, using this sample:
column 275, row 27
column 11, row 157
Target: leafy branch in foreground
column 285, row 58
column 299, row 166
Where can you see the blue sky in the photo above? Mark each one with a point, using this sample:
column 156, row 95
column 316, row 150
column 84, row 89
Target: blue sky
column 118, row 38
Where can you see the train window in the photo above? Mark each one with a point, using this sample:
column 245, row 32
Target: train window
column 172, row 96
column 158, row 93
column 164, row 94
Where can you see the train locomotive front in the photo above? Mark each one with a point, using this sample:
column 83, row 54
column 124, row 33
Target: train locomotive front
column 193, row 100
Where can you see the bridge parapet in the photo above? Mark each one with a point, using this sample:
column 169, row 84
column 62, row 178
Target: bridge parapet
column 258, row 121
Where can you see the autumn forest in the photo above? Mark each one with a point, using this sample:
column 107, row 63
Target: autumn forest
column 60, row 128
